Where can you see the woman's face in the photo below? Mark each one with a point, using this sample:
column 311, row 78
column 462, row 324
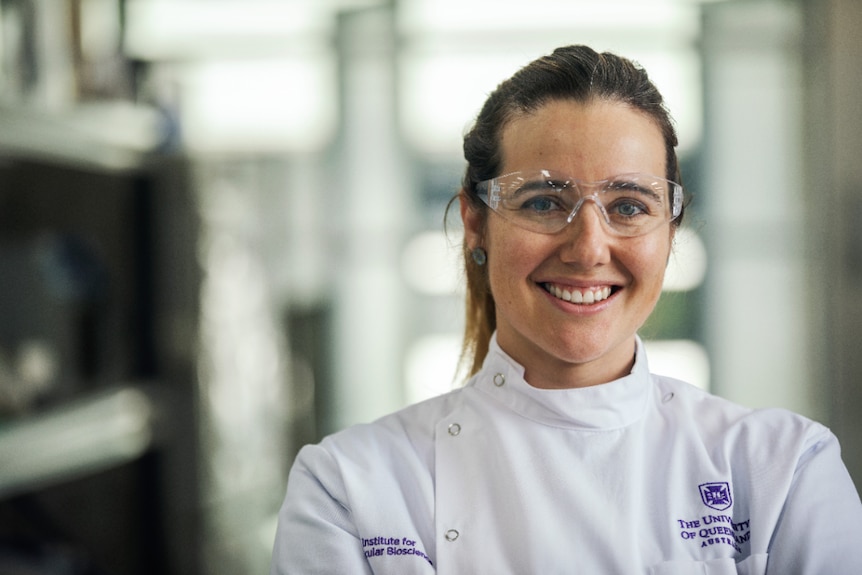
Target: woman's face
column 564, row 344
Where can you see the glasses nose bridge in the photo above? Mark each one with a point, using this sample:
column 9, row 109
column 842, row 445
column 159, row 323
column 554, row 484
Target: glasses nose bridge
column 593, row 196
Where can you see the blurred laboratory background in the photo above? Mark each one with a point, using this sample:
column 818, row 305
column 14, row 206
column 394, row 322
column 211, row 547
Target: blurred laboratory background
column 222, row 236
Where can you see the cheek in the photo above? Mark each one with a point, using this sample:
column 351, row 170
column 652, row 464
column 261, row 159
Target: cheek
column 649, row 260
column 511, row 260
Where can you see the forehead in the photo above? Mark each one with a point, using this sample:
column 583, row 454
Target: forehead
column 589, row 141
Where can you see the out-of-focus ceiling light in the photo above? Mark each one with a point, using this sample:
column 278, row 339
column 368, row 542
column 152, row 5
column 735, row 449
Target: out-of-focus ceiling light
column 686, row 268
column 474, row 44
column 478, row 16
column 179, row 29
column 682, row 359
column 431, row 366
column 282, row 105
column 430, row 264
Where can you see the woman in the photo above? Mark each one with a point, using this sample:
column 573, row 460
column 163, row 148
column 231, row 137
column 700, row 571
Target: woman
column 563, row 454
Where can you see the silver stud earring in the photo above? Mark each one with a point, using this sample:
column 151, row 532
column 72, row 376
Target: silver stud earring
column 479, row 256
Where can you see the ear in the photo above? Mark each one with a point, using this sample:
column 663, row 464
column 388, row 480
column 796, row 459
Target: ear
column 474, row 224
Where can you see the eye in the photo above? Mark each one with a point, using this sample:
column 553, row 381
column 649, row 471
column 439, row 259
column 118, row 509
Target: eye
column 540, row 197
column 629, row 200
column 541, row 204
column 628, row 208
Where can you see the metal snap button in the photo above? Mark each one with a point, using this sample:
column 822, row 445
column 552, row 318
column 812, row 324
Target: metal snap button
column 452, row 535
column 499, row 380
column 454, row 429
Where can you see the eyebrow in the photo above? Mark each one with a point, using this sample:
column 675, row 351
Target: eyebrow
column 539, row 185
column 630, row 185
column 544, row 182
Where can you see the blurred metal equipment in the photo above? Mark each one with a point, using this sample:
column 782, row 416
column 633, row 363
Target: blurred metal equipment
column 81, row 437
column 113, row 136
column 241, row 383
column 94, row 458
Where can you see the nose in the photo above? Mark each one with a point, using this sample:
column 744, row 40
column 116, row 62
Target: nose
column 586, row 241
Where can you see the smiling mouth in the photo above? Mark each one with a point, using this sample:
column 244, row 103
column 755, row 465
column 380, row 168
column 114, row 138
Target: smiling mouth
column 584, row 297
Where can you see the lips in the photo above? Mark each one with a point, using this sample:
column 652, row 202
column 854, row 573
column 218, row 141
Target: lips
column 583, row 296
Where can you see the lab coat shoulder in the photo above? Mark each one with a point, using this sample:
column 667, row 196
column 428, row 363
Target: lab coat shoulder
column 787, row 475
column 721, row 424
column 359, row 487
column 403, row 437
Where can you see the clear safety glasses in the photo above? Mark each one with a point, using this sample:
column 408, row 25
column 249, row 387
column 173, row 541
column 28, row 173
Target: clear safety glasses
column 546, row 202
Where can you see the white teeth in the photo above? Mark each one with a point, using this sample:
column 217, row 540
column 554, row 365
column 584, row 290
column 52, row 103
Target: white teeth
column 577, row 296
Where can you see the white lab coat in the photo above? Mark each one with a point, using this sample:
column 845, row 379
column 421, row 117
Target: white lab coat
column 642, row 475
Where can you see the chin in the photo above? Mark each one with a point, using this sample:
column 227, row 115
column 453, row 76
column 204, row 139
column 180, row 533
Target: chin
column 595, row 350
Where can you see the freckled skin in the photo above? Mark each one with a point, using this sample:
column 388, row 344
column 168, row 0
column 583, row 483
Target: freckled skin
column 560, row 344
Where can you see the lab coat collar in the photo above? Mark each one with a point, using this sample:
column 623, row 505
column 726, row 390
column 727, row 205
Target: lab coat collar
column 608, row 406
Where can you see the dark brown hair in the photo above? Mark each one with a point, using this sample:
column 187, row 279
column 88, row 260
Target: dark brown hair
column 576, row 73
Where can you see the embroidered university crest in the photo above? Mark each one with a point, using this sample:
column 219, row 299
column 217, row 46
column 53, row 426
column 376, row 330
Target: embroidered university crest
column 716, row 495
